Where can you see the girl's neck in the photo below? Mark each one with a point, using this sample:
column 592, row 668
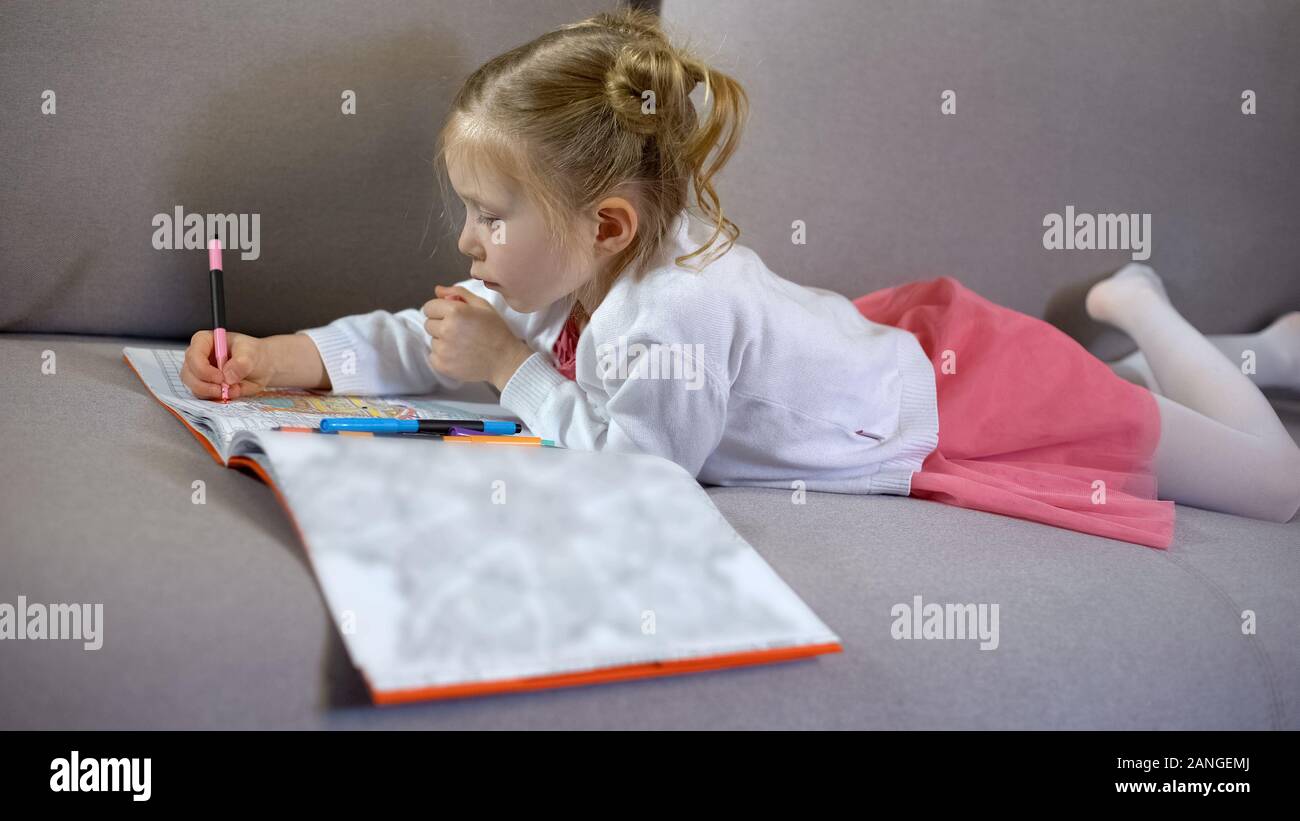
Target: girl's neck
column 580, row 316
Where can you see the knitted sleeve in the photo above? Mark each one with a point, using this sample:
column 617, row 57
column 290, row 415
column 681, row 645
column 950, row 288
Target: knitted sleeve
column 681, row 419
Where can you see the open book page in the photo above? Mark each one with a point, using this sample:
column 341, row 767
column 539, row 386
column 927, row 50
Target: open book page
column 219, row 422
column 448, row 567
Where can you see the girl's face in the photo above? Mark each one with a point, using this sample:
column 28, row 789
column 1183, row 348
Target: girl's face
column 506, row 239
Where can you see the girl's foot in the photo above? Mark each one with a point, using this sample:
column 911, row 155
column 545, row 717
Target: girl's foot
column 1283, row 337
column 1286, row 330
column 1132, row 284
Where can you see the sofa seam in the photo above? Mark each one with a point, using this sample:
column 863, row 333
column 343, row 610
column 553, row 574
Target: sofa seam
column 1256, row 646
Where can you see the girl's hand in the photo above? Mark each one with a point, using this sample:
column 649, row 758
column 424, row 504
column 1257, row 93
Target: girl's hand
column 471, row 341
column 248, row 369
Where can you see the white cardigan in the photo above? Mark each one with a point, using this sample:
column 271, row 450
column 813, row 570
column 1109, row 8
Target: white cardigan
column 738, row 375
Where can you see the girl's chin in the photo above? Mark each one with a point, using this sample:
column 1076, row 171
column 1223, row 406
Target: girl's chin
column 515, row 305
column 518, row 305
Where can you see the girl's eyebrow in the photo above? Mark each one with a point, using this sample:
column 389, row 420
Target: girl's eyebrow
column 477, row 203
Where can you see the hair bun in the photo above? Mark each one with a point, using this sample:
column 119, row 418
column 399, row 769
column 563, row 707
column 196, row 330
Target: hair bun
column 652, row 64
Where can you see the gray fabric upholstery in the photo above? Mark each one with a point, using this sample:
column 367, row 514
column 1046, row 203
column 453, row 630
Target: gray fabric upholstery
column 234, row 107
column 212, row 616
column 1112, row 106
column 213, row 619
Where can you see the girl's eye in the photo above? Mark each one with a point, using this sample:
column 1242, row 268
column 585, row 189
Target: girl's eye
column 487, row 219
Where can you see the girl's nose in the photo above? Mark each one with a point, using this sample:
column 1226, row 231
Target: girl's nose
column 468, row 244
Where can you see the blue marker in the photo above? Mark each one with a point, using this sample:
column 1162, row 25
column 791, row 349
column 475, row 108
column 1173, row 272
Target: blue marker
column 444, row 426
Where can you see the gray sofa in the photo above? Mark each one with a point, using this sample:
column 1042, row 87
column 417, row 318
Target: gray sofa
column 212, row 616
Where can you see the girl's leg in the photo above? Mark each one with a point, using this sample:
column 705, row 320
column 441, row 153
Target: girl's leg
column 1135, row 368
column 1274, row 353
column 1221, row 445
column 1204, row 463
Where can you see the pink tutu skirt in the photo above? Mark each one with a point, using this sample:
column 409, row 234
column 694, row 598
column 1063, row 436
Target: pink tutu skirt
column 1031, row 424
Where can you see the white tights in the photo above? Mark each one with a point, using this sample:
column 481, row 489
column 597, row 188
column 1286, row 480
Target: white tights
column 1222, row 446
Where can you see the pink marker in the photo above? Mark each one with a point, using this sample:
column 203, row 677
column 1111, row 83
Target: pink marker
column 218, row 311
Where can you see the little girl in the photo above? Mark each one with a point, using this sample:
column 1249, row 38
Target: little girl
column 574, row 155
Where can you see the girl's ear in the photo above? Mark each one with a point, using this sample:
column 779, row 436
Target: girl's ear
column 617, row 224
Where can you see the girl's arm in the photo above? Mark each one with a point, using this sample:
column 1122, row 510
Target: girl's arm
column 378, row 354
column 296, row 362
column 678, row 419
column 383, row 353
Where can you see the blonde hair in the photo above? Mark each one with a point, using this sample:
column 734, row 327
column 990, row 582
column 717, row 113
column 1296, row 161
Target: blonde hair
column 602, row 108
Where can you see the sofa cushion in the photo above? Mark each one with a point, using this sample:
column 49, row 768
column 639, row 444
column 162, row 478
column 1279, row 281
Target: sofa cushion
column 213, row 618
